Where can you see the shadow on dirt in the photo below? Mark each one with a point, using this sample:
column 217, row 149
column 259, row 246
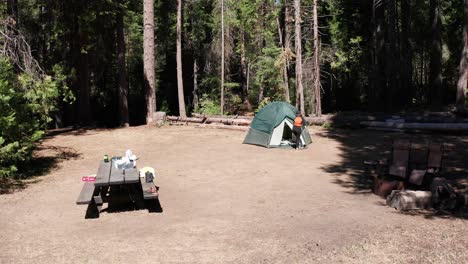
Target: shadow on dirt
column 45, row 159
column 358, row 145
column 76, row 131
column 124, row 200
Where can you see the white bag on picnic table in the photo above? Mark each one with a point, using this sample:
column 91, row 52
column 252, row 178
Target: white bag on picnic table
column 126, row 162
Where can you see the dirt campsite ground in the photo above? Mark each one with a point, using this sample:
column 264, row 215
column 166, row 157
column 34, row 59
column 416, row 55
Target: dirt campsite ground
column 225, row 202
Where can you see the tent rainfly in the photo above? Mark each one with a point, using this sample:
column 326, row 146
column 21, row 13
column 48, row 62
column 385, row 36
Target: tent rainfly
column 272, row 126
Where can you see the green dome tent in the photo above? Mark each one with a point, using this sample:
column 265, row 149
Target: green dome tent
column 272, row 126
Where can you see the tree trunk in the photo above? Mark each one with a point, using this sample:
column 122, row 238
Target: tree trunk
column 391, row 61
column 423, row 69
column 435, row 68
column 12, row 10
column 260, row 93
column 285, row 66
column 317, row 85
column 287, row 33
column 407, row 54
column 248, row 76
column 298, row 39
column 123, row 84
column 377, row 78
column 261, row 44
column 195, row 84
column 148, row 58
column 180, row 80
column 287, row 42
column 244, row 78
column 84, row 106
column 462, row 81
column 43, row 18
column 12, row 24
column 222, row 57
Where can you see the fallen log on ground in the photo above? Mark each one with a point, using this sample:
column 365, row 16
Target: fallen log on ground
column 418, row 126
column 178, row 124
column 220, row 116
column 230, row 127
column 433, row 119
column 353, row 120
column 409, row 200
column 386, row 129
column 209, row 120
column 319, row 120
column 185, row 119
column 228, row 121
column 219, row 126
column 436, row 122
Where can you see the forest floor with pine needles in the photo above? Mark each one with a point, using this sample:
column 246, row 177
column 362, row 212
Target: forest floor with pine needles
column 225, row 202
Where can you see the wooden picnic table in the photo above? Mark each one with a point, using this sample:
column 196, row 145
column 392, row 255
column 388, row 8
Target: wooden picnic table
column 108, row 176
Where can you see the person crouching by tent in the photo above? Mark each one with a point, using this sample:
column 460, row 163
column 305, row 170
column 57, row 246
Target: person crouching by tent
column 297, row 129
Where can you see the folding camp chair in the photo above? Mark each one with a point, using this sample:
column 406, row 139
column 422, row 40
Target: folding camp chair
column 400, row 158
column 434, row 162
column 397, row 165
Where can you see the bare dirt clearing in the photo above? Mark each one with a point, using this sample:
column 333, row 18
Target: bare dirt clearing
column 225, row 202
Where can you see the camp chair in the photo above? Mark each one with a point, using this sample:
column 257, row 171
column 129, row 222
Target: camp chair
column 434, row 161
column 417, row 162
column 400, row 157
column 396, row 167
column 398, row 163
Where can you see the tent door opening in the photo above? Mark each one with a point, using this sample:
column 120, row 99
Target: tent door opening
column 287, row 133
column 282, row 134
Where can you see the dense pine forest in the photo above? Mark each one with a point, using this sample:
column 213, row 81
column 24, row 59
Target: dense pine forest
column 114, row 63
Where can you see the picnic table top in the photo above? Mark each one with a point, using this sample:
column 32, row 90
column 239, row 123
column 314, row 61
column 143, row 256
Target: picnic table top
column 108, row 174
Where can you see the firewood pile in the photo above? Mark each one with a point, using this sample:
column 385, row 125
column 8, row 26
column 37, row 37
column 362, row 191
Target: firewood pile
column 412, row 180
column 442, row 195
column 435, row 193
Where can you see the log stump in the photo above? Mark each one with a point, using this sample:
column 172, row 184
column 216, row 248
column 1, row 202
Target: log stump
column 409, row 200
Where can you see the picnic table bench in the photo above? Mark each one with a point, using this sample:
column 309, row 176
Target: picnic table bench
column 94, row 194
